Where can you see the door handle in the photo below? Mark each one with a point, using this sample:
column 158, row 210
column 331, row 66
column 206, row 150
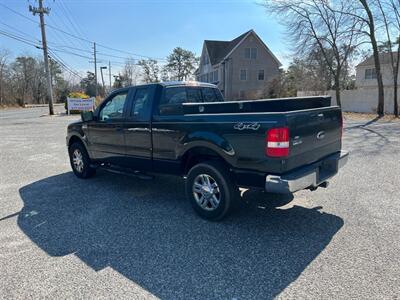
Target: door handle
column 119, row 129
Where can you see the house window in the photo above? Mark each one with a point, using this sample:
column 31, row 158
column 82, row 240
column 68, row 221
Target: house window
column 370, row 74
column 241, row 94
column 205, row 60
column 211, row 76
column 216, row 75
column 247, row 53
column 253, row 53
column 243, row 74
column 260, row 74
column 250, row 53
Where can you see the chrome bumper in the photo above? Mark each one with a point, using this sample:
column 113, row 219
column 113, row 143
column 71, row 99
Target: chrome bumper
column 310, row 176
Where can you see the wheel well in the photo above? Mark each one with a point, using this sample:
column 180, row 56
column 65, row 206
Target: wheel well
column 198, row 155
column 74, row 139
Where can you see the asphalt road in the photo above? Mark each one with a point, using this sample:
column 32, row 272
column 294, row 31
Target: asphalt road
column 120, row 237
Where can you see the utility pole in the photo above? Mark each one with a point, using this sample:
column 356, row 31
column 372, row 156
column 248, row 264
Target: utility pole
column 41, row 11
column 95, row 66
column 109, row 73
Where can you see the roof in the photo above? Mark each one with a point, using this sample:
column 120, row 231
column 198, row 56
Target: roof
column 218, row 50
column 384, row 59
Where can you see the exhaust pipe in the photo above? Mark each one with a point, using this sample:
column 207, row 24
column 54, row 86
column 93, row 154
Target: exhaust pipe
column 324, row 185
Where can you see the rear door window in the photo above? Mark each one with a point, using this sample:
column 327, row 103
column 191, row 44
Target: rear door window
column 209, row 95
column 194, row 95
column 175, row 95
column 141, row 104
column 219, row 96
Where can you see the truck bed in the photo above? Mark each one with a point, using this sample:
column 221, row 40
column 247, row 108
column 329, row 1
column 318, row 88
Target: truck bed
column 249, row 106
column 306, row 118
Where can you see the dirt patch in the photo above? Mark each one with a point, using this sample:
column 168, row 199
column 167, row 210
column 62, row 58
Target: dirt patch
column 11, row 106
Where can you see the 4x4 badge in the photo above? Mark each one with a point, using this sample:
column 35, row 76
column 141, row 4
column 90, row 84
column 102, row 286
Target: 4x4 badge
column 248, row 126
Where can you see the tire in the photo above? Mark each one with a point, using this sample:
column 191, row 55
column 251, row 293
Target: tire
column 81, row 168
column 208, row 182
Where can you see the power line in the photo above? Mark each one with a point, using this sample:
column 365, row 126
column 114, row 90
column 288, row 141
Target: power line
column 64, row 38
column 64, row 65
column 20, row 39
column 55, row 51
column 17, row 30
column 48, row 25
column 26, row 41
column 83, row 39
column 68, row 14
column 60, row 16
column 130, row 53
column 71, row 53
column 21, row 15
column 69, row 47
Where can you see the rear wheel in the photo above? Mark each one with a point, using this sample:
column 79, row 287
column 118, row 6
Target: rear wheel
column 80, row 161
column 211, row 191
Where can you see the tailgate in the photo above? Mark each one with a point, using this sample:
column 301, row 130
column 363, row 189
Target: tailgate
column 314, row 134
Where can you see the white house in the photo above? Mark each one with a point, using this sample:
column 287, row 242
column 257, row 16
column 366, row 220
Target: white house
column 366, row 75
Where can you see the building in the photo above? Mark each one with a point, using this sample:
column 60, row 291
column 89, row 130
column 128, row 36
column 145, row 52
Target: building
column 242, row 68
column 366, row 75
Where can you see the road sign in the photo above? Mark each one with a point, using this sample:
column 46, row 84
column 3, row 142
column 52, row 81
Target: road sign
column 80, row 104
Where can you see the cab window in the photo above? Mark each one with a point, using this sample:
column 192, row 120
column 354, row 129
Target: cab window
column 209, row 95
column 194, row 95
column 175, row 95
column 114, row 108
column 141, row 103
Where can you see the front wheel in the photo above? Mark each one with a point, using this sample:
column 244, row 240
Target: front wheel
column 80, row 161
column 211, row 191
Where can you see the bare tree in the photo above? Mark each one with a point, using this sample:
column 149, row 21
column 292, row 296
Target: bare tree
column 370, row 22
column 390, row 11
column 4, row 55
column 130, row 72
column 323, row 24
column 23, row 80
column 364, row 11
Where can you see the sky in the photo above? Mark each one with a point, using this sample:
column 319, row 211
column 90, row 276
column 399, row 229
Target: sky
column 150, row 28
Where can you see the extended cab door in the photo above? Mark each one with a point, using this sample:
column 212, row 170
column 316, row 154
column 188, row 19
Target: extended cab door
column 105, row 134
column 137, row 129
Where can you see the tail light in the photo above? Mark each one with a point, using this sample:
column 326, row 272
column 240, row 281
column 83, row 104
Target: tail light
column 277, row 142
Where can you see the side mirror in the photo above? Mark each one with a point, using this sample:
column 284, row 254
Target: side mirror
column 87, row 116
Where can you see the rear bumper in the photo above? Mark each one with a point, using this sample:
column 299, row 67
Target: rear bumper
column 310, row 176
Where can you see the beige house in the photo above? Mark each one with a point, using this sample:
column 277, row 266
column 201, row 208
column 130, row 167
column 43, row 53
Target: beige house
column 366, row 75
column 241, row 68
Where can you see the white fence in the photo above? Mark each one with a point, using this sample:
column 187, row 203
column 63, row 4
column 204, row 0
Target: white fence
column 360, row 100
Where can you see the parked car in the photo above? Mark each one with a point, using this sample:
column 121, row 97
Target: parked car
column 186, row 129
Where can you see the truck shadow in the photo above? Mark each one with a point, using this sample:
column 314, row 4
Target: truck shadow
column 146, row 231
